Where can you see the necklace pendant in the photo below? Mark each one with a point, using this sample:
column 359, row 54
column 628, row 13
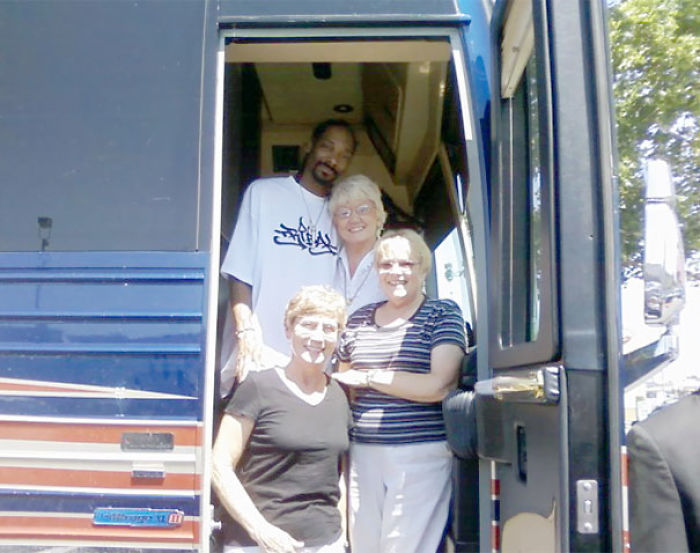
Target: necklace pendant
column 312, row 231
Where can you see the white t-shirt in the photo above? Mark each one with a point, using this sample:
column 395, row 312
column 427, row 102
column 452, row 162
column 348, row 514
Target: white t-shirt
column 273, row 250
column 362, row 287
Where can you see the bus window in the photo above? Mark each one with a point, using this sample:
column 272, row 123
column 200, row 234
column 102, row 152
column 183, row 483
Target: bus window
column 89, row 164
column 521, row 210
column 533, row 181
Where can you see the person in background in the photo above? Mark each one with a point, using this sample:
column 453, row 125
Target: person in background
column 400, row 357
column 276, row 459
column 358, row 216
column 283, row 239
column 664, row 479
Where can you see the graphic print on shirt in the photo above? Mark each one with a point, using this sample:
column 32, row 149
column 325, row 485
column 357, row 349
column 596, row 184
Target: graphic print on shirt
column 317, row 243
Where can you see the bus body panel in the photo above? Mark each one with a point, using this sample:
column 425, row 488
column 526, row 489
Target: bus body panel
column 105, row 227
column 101, row 396
column 101, row 107
column 316, row 12
column 112, row 161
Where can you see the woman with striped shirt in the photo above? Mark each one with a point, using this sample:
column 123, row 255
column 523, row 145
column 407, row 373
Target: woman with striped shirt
column 400, row 357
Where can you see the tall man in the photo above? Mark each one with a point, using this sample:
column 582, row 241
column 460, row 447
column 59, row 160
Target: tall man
column 283, row 239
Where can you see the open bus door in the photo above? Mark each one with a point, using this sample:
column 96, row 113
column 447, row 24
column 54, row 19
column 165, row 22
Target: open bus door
column 548, row 415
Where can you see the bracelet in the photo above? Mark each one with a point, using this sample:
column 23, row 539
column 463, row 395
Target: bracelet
column 244, row 330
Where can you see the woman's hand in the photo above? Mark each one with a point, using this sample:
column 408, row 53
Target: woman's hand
column 445, row 360
column 272, row 539
column 353, row 378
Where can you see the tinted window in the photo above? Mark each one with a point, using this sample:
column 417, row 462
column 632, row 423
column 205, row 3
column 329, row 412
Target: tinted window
column 100, row 125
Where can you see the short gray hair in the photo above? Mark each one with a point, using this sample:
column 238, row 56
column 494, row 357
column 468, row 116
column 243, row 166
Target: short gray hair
column 357, row 187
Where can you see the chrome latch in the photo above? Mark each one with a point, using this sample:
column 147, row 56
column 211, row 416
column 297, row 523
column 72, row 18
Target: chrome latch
column 587, row 506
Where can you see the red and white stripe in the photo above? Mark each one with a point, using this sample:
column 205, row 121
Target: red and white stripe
column 624, row 477
column 84, row 456
column 38, row 388
column 495, row 486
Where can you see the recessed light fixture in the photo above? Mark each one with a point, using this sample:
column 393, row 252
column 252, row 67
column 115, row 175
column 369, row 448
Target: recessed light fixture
column 343, row 108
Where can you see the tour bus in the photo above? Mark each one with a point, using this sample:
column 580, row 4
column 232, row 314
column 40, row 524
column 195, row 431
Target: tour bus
column 128, row 132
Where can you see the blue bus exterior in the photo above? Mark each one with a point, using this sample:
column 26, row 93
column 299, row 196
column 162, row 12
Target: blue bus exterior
column 113, row 187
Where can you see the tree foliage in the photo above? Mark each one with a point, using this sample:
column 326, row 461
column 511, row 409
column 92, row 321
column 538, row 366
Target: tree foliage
column 656, row 60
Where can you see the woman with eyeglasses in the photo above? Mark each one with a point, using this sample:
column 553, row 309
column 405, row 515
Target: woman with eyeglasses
column 400, row 357
column 358, row 216
column 277, row 456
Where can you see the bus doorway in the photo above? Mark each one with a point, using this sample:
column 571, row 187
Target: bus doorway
column 419, row 138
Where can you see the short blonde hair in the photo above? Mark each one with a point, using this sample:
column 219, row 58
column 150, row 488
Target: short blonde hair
column 418, row 247
column 316, row 300
column 357, row 187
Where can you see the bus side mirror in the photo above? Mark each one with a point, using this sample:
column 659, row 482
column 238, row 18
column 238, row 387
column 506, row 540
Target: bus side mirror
column 664, row 260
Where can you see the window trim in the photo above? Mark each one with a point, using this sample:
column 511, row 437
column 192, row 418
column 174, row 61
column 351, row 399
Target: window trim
column 504, row 287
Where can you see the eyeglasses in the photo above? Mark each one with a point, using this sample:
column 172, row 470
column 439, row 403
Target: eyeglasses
column 361, row 210
column 402, row 265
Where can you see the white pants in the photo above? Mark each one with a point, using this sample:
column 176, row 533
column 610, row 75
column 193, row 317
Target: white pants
column 335, row 547
column 399, row 497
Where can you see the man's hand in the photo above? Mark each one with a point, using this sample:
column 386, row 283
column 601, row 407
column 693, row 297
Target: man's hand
column 249, row 338
column 249, row 342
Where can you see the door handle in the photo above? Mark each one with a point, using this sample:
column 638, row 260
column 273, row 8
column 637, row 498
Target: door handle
column 539, row 385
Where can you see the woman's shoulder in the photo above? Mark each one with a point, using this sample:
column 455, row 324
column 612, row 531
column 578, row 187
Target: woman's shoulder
column 337, row 399
column 364, row 313
column 336, row 390
column 442, row 305
column 261, row 378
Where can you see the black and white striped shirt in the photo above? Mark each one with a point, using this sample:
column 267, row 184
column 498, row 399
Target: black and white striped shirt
column 383, row 419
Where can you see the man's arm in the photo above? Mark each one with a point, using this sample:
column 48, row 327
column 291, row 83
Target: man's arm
column 248, row 334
